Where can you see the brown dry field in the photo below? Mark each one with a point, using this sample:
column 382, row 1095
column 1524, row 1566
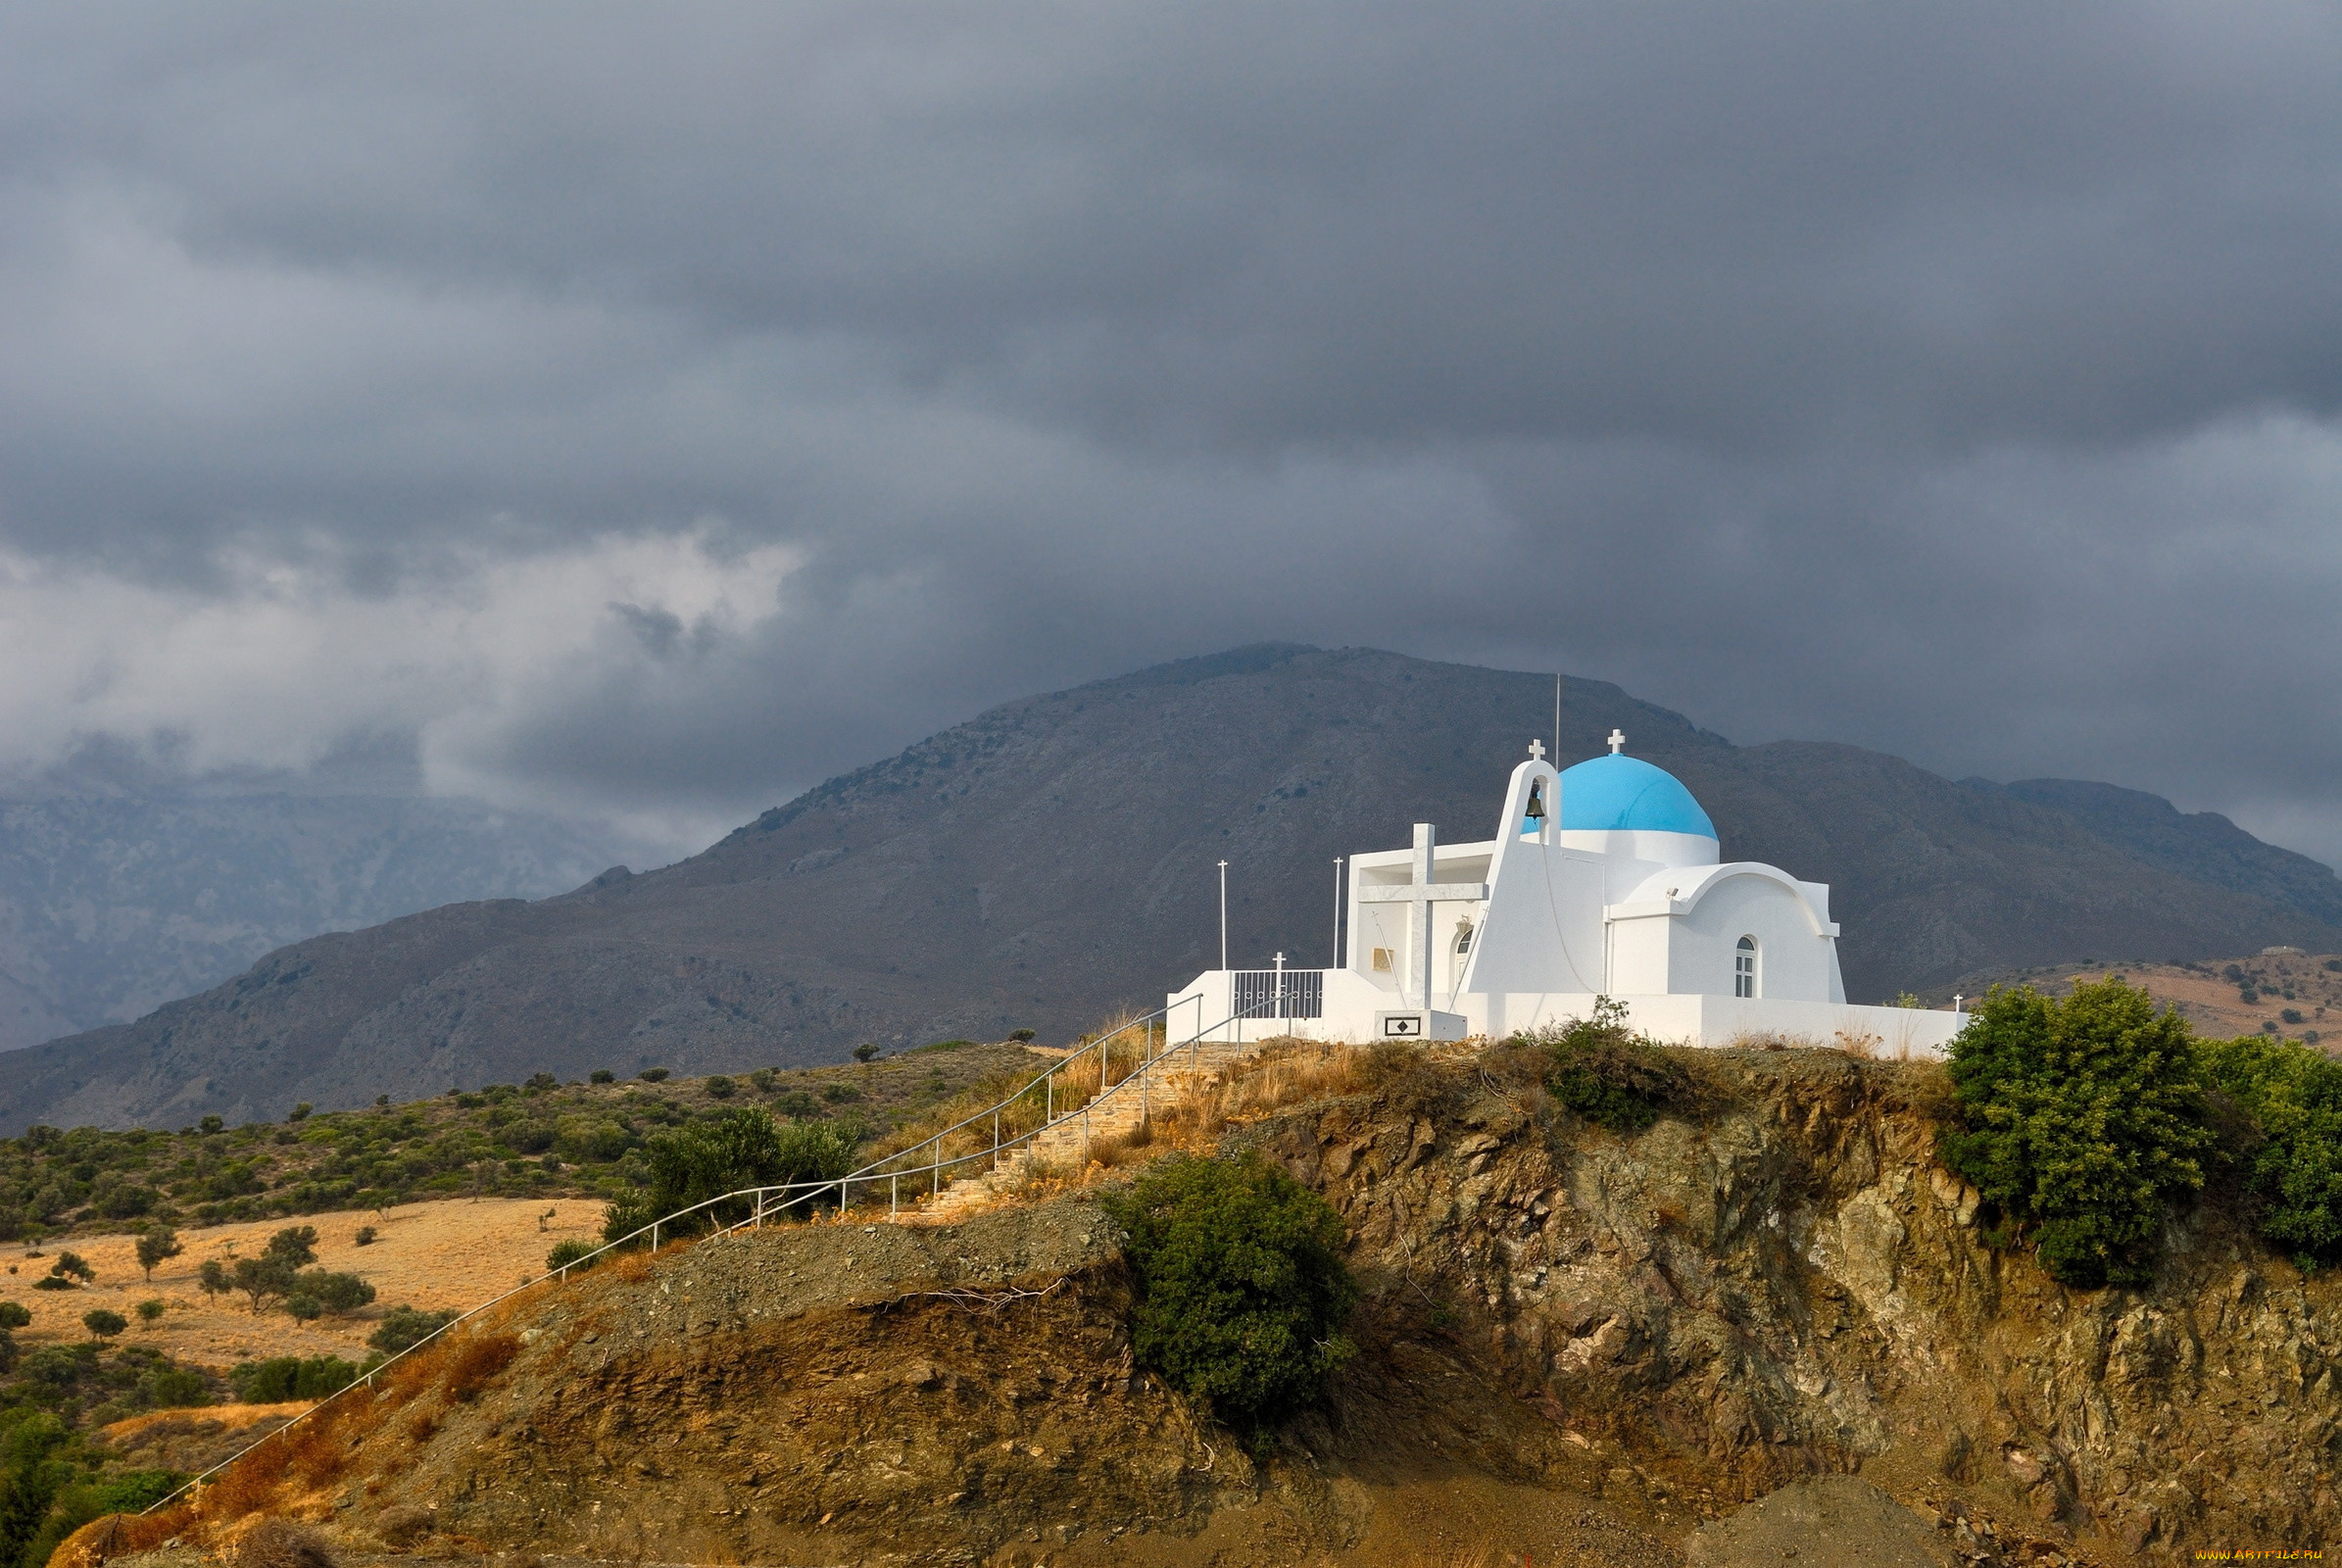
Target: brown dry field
column 456, row 1253
column 2210, row 1003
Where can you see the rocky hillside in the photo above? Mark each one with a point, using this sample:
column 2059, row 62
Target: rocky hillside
column 1053, row 859
column 1577, row 1346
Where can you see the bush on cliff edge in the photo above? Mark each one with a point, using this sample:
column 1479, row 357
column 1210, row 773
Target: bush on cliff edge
column 2293, row 1159
column 1242, row 1289
column 2081, row 1122
column 1603, row 1070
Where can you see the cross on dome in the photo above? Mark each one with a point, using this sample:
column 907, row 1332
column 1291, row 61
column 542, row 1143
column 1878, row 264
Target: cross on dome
column 1537, row 751
column 1618, row 741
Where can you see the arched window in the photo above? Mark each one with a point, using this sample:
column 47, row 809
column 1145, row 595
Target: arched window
column 1744, row 973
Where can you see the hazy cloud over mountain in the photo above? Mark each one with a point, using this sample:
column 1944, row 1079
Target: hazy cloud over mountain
column 649, row 413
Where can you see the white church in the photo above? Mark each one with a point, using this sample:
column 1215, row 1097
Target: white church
column 1606, row 880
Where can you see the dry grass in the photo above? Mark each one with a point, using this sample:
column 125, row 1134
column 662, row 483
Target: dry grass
column 118, row 1535
column 451, row 1253
column 229, row 1417
column 475, row 1362
column 1025, row 1103
column 402, row 1524
column 1285, row 1072
column 282, row 1544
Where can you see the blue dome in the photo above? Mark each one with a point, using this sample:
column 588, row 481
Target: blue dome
column 1618, row 793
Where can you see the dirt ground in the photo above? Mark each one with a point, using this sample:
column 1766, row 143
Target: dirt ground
column 456, row 1253
column 2213, row 1004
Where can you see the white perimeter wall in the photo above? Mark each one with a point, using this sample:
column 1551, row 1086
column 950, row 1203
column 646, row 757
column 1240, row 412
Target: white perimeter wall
column 1351, row 1004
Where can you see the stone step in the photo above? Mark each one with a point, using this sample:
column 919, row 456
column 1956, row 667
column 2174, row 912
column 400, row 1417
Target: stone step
column 1114, row 1112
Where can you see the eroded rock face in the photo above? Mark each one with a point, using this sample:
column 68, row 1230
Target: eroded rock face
column 1786, row 1284
column 920, row 1395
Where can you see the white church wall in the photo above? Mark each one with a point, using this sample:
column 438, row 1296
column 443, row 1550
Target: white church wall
column 1889, row 1032
column 1639, row 956
column 1352, row 1005
column 1204, row 1011
column 1543, row 929
column 1794, row 962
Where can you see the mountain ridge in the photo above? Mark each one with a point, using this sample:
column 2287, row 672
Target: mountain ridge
column 1054, row 858
column 114, row 902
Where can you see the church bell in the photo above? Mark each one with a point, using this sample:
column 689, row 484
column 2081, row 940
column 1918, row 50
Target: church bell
column 1536, row 803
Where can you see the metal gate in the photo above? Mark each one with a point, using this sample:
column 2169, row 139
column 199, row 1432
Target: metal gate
column 1278, row 993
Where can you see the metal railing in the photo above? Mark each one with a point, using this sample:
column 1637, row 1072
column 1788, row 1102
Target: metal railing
column 792, row 1195
column 1278, row 992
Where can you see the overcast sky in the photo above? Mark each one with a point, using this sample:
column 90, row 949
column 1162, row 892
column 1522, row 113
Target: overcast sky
column 651, row 411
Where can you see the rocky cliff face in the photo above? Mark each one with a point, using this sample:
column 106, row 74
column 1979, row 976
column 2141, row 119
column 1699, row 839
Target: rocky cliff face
column 1784, row 1282
column 1574, row 1345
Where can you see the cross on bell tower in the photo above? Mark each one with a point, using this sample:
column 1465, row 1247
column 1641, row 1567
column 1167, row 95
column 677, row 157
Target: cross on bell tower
column 1537, row 751
column 1618, row 741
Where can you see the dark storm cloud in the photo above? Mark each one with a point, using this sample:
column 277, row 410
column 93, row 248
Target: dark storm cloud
column 652, row 412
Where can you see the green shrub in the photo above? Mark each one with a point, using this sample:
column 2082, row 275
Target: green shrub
column 159, row 1245
column 738, row 1150
column 104, row 1324
column 762, row 1078
column 584, row 1139
column 1241, row 1292
column 262, row 1279
column 2294, row 1155
column 60, row 1366
column 14, row 1315
column 653, row 1075
column 173, row 1388
column 136, row 1491
column 2081, row 1122
column 405, row 1327
column 602, row 1075
column 838, row 1094
column 290, row 1377
column 296, row 1245
column 720, row 1087
column 1603, row 1070
column 338, row 1294
column 573, row 1251
column 867, row 1051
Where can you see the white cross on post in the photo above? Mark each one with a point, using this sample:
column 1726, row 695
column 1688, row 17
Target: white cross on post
column 1618, row 741
column 1537, row 751
column 1419, row 896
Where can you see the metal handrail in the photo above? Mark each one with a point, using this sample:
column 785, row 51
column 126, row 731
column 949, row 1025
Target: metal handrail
column 804, row 1191
column 1099, row 1045
column 873, row 1173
